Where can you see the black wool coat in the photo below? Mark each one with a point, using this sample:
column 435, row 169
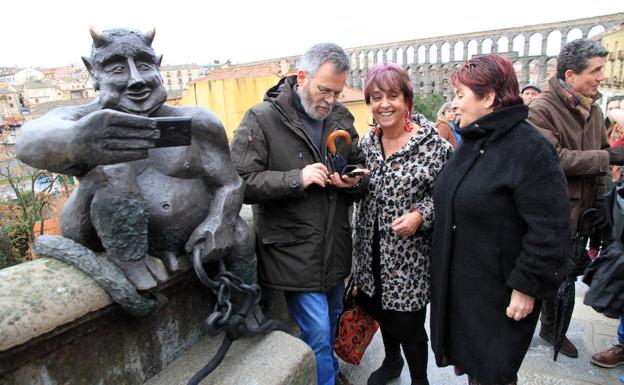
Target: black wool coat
column 502, row 223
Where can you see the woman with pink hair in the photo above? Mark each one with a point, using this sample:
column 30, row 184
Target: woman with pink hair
column 392, row 223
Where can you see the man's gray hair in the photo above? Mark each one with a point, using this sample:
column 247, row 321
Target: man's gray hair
column 318, row 54
column 575, row 54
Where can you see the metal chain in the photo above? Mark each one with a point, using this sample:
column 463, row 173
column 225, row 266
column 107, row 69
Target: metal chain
column 223, row 317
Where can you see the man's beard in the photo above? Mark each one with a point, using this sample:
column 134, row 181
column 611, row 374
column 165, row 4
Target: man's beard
column 309, row 106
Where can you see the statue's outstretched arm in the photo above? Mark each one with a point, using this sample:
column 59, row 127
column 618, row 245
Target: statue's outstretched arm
column 215, row 234
column 76, row 139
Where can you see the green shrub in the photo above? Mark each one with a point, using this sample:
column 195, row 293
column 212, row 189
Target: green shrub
column 10, row 253
column 429, row 105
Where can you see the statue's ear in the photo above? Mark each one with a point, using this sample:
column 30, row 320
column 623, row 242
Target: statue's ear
column 89, row 64
column 159, row 60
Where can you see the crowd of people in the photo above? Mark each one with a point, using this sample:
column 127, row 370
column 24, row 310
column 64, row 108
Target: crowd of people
column 473, row 214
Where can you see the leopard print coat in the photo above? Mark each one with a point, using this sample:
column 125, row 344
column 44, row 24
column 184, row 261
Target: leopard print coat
column 402, row 182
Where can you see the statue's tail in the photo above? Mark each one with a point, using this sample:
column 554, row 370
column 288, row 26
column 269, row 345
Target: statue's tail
column 103, row 271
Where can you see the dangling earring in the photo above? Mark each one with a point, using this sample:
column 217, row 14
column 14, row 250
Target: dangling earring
column 375, row 127
column 408, row 122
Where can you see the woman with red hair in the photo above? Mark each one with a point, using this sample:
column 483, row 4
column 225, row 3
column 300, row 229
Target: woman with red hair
column 502, row 229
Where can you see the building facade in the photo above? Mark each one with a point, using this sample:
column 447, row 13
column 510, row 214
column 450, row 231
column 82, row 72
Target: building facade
column 230, row 92
column 21, row 76
column 39, row 91
column 178, row 77
column 9, row 103
column 613, row 40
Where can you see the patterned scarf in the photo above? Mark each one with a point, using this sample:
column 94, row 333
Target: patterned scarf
column 575, row 100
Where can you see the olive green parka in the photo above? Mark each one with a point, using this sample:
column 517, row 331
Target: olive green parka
column 303, row 237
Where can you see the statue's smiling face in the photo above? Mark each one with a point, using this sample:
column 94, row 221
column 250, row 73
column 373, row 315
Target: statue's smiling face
column 127, row 73
column 131, row 84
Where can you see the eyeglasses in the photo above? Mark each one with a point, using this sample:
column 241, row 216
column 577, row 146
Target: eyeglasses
column 328, row 92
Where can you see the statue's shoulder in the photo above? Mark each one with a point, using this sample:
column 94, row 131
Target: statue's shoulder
column 73, row 112
column 201, row 116
column 204, row 121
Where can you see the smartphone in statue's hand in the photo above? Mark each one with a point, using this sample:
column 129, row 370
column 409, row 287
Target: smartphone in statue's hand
column 174, row 131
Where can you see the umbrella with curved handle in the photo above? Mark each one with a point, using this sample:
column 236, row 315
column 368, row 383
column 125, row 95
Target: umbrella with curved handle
column 336, row 162
column 578, row 261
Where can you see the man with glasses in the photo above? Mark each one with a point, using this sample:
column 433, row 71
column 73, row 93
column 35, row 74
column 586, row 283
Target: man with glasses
column 300, row 199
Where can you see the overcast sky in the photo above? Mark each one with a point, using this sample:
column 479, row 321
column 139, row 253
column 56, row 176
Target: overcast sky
column 55, row 33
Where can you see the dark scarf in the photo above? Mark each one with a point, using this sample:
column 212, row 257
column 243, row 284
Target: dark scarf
column 579, row 102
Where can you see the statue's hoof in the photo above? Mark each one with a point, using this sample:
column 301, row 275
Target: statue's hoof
column 145, row 273
column 176, row 263
column 157, row 268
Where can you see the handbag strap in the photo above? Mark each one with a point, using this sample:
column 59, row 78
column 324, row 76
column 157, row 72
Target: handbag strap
column 349, row 294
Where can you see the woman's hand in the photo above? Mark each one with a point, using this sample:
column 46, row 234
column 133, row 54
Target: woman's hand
column 520, row 305
column 407, row 224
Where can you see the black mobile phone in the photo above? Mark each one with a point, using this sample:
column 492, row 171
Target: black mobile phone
column 174, row 131
column 354, row 173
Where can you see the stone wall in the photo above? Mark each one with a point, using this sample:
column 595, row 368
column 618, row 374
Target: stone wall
column 58, row 327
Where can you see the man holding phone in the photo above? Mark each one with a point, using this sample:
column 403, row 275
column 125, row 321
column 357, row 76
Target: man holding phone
column 157, row 176
column 300, row 200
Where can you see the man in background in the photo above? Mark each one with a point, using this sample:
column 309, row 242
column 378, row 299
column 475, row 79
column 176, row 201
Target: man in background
column 530, row 92
column 572, row 120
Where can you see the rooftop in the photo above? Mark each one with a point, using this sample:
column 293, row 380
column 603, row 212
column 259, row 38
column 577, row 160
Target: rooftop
column 241, row 72
column 350, row 94
column 7, row 91
column 178, row 67
column 34, row 84
column 41, row 109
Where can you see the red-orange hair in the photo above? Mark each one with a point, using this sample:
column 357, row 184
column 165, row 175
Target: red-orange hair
column 488, row 73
